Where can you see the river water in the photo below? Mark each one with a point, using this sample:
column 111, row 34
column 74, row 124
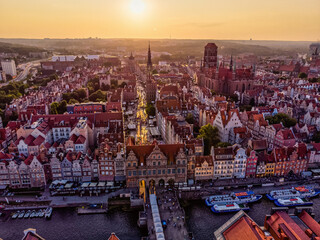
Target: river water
column 67, row 224
column 202, row 222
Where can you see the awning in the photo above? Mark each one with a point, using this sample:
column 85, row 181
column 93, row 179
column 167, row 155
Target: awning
column 101, row 184
column 84, row 185
column 93, row 184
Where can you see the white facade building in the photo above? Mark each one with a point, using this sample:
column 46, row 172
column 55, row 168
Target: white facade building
column 9, row 67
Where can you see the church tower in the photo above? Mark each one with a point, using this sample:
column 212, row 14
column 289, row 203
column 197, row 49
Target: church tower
column 210, row 55
column 149, row 63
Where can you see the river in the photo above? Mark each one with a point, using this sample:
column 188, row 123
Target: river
column 67, row 224
column 202, row 222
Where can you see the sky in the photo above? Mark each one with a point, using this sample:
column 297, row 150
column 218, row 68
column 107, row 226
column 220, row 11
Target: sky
column 295, row 20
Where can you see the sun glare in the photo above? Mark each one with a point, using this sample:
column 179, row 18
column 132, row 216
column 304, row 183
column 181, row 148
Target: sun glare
column 137, row 6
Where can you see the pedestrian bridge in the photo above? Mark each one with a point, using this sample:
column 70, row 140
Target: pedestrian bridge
column 156, row 217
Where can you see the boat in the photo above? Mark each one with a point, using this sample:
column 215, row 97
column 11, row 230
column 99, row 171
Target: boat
column 48, row 212
column 38, row 213
column 21, row 214
column 234, row 197
column 226, row 208
column 294, row 192
column 27, row 214
column 42, row 212
column 33, row 214
column 292, row 202
column 15, row 215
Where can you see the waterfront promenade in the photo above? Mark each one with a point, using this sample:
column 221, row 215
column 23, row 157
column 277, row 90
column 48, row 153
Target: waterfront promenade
column 171, row 212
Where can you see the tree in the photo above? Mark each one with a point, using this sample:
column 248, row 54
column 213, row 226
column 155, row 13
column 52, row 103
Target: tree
column 189, row 118
column 97, row 96
column 252, row 102
column 234, row 98
column 302, row 75
column 210, row 136
column 150, row 110
column 223, row 144
column 54, row 108
column 282, row 118
column 316, row 137
column 73, row 101
column 62, row 108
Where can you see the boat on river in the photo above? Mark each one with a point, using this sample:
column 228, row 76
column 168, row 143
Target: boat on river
column 21, row 214
column 292, row 202
column 27, row 214
column 294, row 192
column 15, row 215
column 226, row 208
column 48, row 213
column 234, row 197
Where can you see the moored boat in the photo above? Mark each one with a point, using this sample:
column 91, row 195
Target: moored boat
column 294, row 192
column 225, row 208
column 292, row 202
column 33, row 214
column 48, row 212
column 21, row 214
column 27, row 214
column 234, row 197
column 15, row 215
column 42, row 212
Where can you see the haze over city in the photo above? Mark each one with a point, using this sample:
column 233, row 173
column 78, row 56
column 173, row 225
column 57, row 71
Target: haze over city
column 292, row 20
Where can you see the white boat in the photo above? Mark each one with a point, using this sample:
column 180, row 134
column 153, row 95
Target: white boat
column 294, row 192
column 234, row 197
column 38, row 213
column 292, row 202
column 33, row 214
column 42, row 212
column 226, row 208
column 48, row 212
column 27, row 214
column 15, row 215
column 21, row 214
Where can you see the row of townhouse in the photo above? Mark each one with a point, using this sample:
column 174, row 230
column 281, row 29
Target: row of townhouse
column 236, row 162
column 22, row 174
column 75, row 167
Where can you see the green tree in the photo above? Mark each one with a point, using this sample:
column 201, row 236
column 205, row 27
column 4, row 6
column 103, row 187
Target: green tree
column 316, row 137
column 97, row 96
column 234, row 98
column 54, row 108
column 189, row 118
column 282, row 118
column 252, row 102
column 73, row 101
column 302, row 75
column 150, row 110
column 62, row 107
column 210, row 136
column 223, row 144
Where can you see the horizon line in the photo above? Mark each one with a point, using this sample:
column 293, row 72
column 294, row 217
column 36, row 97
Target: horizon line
column 143, row 38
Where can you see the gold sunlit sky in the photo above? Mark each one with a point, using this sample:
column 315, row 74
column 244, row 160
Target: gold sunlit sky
column 188, row 19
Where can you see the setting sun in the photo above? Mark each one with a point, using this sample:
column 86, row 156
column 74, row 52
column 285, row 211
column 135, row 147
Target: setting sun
column 137, row 6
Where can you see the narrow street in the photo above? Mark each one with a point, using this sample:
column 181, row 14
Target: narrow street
column 142, row 118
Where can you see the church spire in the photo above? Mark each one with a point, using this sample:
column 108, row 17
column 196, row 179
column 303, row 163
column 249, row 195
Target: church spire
column 149, row 63
column 231, row 64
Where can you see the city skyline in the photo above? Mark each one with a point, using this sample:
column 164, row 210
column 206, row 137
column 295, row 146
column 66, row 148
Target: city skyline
column 231, row 19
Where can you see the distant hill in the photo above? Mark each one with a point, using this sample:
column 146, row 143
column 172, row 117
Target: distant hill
column 179, row 48
column 18, row 48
